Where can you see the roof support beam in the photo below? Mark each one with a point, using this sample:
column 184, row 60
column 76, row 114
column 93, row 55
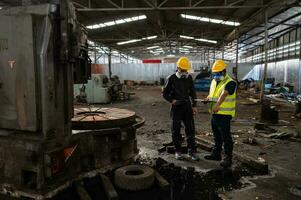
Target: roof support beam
column 270, row 36
column 273, row 26
column 256, row 17
column 79, row 5
column 161, row 4
column 149, row 4
column 235, row 2
column 113, row 3
column 197, row 3
column 166, row 8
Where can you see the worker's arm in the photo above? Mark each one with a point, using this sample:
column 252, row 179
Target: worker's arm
column 192, row 94
column 166, row 90
column 220, row 100
column 192, row 91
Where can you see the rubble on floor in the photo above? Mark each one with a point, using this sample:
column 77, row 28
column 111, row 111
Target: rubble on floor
column 268, row 151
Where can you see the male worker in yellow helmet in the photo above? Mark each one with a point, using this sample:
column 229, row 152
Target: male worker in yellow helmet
column 222, row 99
column 180, row 92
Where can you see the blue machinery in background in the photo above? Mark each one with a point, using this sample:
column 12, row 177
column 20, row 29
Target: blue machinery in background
column 202, row 85
column 202, row 81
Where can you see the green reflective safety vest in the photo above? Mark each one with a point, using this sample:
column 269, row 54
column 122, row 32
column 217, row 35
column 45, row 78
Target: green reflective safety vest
column 228, row 106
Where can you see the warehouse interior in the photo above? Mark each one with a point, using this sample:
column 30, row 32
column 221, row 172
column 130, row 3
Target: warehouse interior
column 83, row 115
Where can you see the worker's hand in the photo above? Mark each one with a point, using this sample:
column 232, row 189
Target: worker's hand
column 215, row 108
column 206, row 100
column 174, row 102
column 194, row 110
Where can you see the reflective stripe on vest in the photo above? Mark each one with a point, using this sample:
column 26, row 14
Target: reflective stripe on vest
column 226, row 100
column 228, row 105
column 227, row 109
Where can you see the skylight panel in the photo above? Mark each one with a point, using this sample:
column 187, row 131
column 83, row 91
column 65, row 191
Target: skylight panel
column 116, row 22
column 137, row 40
column 210, row 20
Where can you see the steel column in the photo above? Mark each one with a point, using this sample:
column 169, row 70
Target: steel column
column 300, row 60
column 223, row 50
column 110, row 62
column 264, row 75
column 236, row 56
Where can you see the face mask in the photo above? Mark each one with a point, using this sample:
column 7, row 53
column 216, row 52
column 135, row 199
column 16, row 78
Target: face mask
column 182, row 74
column 218, row 77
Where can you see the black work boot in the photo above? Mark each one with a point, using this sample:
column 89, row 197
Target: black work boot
column 227, row 162
column 213, row 156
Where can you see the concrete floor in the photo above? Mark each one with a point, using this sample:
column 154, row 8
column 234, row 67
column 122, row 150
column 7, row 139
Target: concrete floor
column 283, row 156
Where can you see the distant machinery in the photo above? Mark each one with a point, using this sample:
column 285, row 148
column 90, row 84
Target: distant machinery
column 100, row 89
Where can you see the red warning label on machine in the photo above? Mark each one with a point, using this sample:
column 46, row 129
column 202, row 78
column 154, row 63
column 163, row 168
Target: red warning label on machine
column 11, row 63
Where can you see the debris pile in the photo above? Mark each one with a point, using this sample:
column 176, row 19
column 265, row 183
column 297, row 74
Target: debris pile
column 132, row 83
column 187, row 183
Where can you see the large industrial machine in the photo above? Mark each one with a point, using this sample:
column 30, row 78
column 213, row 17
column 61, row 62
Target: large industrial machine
column 100, row 89
column 43, row 52
column 97, row 90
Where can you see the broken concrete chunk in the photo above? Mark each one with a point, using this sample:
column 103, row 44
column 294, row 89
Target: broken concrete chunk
column 260, row 159
column 250, row 140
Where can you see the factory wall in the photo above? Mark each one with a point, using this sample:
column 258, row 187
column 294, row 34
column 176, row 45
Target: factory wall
column 288, row 71
column 153, row 72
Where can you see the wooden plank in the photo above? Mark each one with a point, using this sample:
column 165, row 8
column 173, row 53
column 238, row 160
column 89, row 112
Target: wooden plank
column 109, row 188
column 161, row 181
column 82, row 192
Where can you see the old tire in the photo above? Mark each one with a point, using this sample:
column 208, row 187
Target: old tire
column 134, row 177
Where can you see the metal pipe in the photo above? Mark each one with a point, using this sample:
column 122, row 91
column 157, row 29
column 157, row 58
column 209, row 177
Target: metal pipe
column 266, row 55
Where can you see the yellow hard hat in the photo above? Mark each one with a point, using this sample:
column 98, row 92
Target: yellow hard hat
column 183, row 63
column 219, row 65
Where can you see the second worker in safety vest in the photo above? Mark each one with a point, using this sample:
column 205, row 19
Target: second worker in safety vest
column 222, row 101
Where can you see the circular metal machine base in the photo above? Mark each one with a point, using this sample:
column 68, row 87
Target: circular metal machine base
column 91, row 118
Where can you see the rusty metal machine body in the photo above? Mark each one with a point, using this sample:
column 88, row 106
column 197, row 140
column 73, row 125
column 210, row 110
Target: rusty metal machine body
column 43, row 52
